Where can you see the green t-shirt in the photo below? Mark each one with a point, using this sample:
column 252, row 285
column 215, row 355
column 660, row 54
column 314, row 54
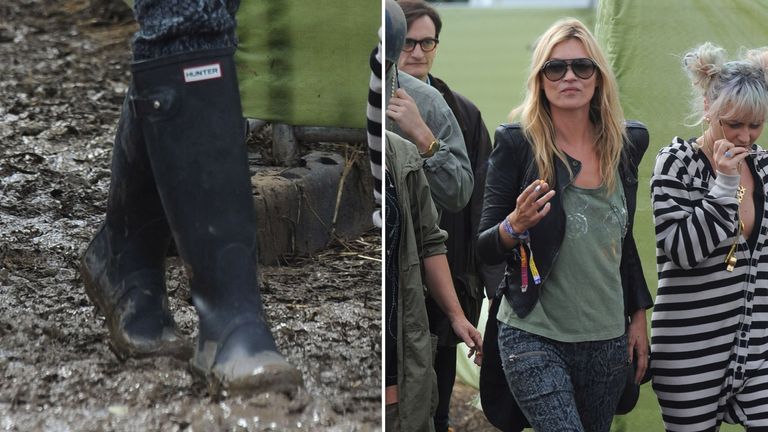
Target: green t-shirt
column 582, row 299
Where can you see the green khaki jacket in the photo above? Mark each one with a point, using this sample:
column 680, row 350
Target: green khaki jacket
column 448, row 171
column 420, row 237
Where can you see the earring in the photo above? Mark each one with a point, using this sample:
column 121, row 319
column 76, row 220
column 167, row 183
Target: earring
column 705, row 125
column 704, row 129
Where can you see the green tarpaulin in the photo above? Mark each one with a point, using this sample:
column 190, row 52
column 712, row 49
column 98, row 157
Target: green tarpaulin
column 645, row 40
column 306, row 62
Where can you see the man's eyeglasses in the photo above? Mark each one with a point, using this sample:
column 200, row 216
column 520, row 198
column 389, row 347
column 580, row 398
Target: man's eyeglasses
column 555, row 70
column 427, row 44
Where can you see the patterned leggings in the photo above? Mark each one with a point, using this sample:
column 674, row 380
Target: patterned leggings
column 564, row 387
column 173, row 27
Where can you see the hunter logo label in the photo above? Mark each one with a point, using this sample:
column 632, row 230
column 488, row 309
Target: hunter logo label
column 202, row 73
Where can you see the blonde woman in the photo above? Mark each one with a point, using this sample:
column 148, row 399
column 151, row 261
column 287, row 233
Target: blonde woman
column 558, row 208
column 710, row 324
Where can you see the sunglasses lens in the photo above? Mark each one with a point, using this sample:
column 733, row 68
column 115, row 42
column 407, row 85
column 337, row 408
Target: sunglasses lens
column 583, row 68
column 555, row 69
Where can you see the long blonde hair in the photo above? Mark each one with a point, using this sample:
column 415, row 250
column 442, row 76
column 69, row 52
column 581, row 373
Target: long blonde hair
column 605, row 111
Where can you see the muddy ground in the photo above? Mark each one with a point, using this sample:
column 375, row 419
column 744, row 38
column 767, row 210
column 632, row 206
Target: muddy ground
column 63, row 75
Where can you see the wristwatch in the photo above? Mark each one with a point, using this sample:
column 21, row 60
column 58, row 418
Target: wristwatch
column 431, row 150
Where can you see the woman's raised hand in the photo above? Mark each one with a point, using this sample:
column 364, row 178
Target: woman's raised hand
column 727, row 156
column 532, row 205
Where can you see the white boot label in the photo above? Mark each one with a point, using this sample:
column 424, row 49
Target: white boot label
column 202, row 73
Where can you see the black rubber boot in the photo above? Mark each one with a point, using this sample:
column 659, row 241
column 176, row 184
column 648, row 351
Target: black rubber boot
column 191, row 116
column 124, row 265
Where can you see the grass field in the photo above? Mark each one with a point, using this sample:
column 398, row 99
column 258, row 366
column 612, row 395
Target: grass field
column 484, row 54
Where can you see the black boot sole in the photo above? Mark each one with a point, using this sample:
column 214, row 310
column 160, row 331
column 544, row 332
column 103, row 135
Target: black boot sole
column 119, row 343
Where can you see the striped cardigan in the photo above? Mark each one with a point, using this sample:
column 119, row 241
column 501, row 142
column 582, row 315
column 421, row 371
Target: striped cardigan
column 373, row 128
column 709, row 328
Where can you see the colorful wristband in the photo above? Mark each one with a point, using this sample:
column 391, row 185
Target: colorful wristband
column 515, row 235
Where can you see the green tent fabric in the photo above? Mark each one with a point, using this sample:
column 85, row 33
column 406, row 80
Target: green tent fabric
column 306, row 63
column 645, row 41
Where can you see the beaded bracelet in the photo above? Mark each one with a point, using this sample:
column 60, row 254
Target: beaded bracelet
column 509, row 230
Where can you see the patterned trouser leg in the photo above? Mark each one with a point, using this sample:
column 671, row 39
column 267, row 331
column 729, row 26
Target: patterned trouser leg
column 564, row 387
column 173, row 27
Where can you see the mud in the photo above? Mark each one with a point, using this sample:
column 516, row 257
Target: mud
column 63, row 75
column 466, row 416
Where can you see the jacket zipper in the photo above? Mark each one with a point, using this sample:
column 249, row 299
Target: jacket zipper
column 515, row 357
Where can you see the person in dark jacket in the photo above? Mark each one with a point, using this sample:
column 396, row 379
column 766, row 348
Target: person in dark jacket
column 558, row 208
column 415, row 263
column 418, row 54
column 180, row 170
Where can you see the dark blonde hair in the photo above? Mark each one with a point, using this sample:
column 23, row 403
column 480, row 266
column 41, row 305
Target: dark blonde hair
column 605, row 111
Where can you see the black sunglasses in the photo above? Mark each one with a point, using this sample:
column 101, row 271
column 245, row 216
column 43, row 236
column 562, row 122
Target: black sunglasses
column 427, row 44
column 583, row 68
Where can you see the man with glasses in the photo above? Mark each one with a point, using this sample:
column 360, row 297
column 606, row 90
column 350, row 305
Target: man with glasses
column 415, row 255
column 417, row 56
column 418, row 113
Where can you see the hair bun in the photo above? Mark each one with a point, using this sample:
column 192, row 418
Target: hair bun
column 704, row 63
column 759, row 57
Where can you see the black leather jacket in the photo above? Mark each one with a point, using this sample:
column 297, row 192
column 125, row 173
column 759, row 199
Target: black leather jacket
column 510, row 170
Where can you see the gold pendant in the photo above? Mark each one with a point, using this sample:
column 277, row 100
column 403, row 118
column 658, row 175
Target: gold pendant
column 730, row 259
column 740, row 193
